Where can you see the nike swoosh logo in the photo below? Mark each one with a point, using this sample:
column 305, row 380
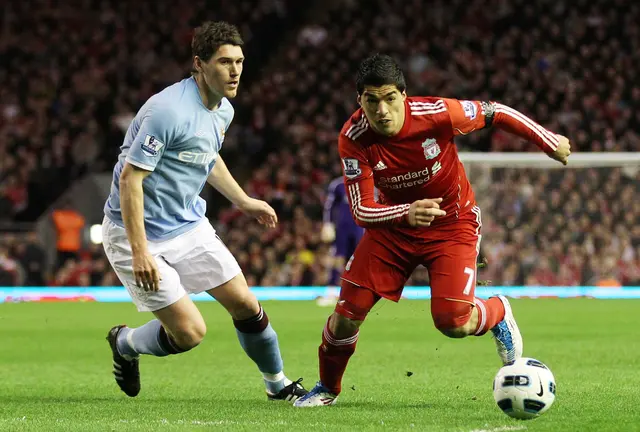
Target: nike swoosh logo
column 541, row 392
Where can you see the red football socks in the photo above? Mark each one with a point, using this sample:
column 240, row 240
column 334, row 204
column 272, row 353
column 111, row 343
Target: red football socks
column 490, row 313
column 334, row 354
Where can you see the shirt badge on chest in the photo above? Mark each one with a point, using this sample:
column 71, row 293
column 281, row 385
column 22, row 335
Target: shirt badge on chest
column 431, row 148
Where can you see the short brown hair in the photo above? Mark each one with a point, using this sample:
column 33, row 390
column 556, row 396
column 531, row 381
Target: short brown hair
column 211, row 35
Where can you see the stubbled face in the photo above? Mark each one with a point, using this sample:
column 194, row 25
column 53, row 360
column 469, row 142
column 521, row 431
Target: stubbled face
column 221, row 74
column 384, row 108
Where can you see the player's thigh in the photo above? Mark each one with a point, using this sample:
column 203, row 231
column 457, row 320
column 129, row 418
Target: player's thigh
column 118, row 252
column 202, row 260
column 452, row 274
column 382, row 264
column 236, row 298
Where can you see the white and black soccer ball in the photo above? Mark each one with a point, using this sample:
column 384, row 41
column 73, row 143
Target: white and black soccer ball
column 524, row 389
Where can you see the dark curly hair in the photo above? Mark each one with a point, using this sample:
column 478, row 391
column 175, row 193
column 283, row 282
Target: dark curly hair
column 211, row 35
column 379, row 70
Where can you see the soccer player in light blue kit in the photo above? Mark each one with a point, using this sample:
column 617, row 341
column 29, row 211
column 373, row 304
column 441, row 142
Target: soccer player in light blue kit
column 155, row 232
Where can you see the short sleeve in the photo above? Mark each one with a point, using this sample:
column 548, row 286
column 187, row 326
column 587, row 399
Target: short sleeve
column 157, row 130
column 229, row 118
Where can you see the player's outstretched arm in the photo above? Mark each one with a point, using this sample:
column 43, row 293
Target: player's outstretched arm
column 467, row 116
column 562, row 153
column 222, row 180
column 145, row 268
column 513, row 121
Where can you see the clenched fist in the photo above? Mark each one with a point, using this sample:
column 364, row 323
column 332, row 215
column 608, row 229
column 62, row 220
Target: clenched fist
column 563, row 151
column 423, row 212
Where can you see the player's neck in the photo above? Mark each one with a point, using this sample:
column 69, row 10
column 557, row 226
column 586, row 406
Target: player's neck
column 210, row 100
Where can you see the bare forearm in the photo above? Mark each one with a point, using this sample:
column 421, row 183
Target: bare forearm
column 132, row 206
column 222, row 180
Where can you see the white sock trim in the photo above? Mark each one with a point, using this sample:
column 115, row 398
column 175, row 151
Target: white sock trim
column 274, row 377
column 339, row 342
column 483, row 311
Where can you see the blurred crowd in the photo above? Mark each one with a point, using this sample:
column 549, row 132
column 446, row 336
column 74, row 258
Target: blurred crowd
column 73, row 77
column 562, row 227
column 23, row 262
column 74, row 73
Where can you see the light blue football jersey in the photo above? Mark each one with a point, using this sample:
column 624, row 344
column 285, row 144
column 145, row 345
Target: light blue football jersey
column 177, row 138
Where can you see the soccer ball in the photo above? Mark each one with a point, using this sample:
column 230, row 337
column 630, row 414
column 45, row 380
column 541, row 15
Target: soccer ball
column 524, row 389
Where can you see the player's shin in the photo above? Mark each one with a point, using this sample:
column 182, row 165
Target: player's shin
column 260, row 341
column 150, row 338
column 334, row 354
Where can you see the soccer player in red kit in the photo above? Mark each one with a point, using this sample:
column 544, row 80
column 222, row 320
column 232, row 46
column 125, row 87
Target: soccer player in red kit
column 426, row 214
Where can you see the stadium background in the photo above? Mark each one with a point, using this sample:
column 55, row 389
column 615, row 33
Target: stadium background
column 73, row 75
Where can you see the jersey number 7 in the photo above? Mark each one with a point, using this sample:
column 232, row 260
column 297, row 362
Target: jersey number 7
column 471, row 275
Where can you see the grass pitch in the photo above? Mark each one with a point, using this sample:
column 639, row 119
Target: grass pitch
column 56, row 371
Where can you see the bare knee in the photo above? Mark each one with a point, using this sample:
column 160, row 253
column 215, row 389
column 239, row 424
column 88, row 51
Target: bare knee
column 189, row 335
column 243, row 307
column 454, row 319
column 455, row 332
column 343, row 327
column 236, row 298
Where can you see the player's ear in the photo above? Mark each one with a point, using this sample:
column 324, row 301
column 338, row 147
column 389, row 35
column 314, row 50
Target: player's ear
column 197, row 63
column 404, row 94
column 359, row 99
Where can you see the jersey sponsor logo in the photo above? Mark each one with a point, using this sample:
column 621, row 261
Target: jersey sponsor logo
column 431, row 148
column 151, row 146
column 197, row 158
column 410, row 179
column 470, row 109
column 351, row 168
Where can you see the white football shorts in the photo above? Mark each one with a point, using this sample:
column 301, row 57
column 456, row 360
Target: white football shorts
column 193, row 262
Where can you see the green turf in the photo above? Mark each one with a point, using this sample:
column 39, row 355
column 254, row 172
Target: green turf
column 56, row 371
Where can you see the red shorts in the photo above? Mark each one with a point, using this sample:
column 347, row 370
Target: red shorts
column 385, row 258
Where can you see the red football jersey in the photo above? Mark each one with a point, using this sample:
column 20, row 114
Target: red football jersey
column 421, row 161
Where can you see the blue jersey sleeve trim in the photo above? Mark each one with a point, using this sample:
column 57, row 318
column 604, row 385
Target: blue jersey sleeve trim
column 139, row 164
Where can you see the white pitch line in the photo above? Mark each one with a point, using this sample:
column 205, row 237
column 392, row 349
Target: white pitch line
column 501, row 429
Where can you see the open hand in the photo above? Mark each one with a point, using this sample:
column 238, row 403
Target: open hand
column 146, row 271
column 260, row 210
